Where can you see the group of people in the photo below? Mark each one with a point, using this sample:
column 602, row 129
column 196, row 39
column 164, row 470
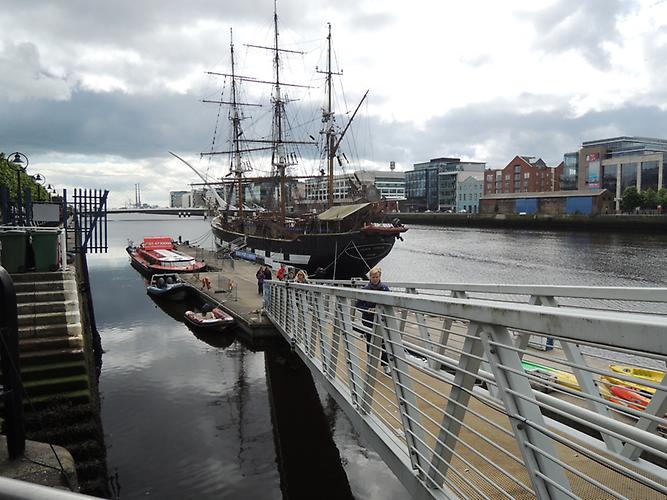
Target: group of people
column 264, row 273
column 367, row 308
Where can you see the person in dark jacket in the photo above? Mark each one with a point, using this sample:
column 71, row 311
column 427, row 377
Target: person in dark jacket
column 260, row 275
column 368, row 312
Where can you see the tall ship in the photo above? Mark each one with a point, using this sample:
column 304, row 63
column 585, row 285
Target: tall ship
column 340, row 242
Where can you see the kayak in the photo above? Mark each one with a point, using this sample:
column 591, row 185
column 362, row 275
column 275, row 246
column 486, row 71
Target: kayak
column 640, row 373
column 623, row 395
column 561, row 377
column 645, row 373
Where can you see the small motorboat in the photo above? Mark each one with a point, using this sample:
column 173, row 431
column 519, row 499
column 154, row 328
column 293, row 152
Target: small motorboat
column 157, row 254
column 168, row 286
column 209, row 318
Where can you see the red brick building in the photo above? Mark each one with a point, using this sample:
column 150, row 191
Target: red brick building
column 524, row 174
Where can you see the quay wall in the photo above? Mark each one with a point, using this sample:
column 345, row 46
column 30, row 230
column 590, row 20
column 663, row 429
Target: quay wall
column 602, row 223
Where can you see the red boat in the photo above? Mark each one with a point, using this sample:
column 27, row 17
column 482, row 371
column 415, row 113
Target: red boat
column 157, row 254
column 214, row 320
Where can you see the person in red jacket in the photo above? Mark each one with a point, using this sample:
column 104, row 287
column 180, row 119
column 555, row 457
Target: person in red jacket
column 281, row 272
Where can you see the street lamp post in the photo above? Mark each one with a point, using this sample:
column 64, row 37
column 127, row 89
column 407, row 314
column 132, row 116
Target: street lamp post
column 18, row 160
column 40, row 180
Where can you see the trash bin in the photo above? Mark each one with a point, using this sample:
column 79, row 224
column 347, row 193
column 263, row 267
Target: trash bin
column 13, row 253
column 45, row 247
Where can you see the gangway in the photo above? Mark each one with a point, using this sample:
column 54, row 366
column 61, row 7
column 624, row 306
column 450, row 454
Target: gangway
column 459, row 416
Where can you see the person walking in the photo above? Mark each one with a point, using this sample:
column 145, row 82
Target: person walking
column 368, row 313
column 260, row 275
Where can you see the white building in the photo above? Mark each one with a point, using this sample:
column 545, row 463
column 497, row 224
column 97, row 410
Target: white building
column 469, row 191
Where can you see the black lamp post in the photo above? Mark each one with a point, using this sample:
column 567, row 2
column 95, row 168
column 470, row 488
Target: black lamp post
column 40, row 180
column 18, row 160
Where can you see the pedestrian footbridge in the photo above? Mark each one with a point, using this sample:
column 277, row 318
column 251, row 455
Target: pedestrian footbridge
column 478, row 404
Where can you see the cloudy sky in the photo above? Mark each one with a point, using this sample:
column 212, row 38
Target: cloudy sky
column 97, row 92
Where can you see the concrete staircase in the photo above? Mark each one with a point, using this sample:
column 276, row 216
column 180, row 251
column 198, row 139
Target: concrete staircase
column 53, row 364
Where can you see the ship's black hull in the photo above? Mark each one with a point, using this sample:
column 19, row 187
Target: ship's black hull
column 324, row 255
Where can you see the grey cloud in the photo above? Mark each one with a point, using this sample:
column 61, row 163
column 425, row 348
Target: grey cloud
column 136, row 127
column 505, row 132
column 581, row 26
column 23, row 76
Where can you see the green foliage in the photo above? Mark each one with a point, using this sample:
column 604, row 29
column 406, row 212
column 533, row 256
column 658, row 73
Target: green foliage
column 649, row 199
column 662, row 198
column 631, row 199
column 9, row 178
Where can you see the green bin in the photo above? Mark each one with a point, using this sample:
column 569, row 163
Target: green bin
column 45, row 246
column 13, row 252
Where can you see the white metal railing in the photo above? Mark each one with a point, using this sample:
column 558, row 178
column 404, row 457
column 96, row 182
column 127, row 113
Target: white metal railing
column 469, row 410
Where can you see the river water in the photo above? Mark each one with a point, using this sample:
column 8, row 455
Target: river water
column 187, row 416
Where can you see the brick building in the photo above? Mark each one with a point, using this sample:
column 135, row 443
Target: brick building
column 524, row 174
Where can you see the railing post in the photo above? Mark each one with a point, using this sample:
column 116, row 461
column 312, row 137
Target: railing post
column 9, row 354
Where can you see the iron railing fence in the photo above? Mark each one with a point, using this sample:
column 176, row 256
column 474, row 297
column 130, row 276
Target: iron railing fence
column 469, row 409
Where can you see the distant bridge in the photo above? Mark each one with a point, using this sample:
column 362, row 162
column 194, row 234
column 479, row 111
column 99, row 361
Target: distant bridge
column 187, row 212
column 159, row 211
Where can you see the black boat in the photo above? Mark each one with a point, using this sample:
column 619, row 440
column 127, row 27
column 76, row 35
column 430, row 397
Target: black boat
column 332, row 244
column 342, row 242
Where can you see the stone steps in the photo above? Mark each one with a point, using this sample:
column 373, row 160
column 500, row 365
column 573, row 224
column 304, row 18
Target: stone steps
column 46, row 296
column 31, row 331
column 53, row 370
column 44, row 286
column 50, row 318
column 81, row 396
column 50, row 356
column 43, row 307
column 59, row 276
column 56, row 385
column 52, row 342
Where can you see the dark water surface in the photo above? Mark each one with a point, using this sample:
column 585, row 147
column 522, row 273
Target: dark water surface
column 187, row 416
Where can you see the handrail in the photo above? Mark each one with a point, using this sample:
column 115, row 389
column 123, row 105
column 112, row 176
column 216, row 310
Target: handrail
column 462, row 414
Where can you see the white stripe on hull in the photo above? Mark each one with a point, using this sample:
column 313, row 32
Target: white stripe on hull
column 294, row 259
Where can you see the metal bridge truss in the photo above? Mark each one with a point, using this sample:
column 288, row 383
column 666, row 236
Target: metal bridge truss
column 459, row 417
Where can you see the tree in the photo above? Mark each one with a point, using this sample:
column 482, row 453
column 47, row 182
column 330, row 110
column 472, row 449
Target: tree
column 662, row 198
column 631, row 199
column 649, row 199
column 8, row 178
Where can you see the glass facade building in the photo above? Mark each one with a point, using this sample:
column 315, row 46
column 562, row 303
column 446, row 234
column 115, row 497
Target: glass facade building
column 426, row 188
column 618, row 163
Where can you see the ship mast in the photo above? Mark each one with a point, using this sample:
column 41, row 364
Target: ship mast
column 237, row 166
column 330, row 134
column 278, row 160
column 281, row 158
column 332, row 140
